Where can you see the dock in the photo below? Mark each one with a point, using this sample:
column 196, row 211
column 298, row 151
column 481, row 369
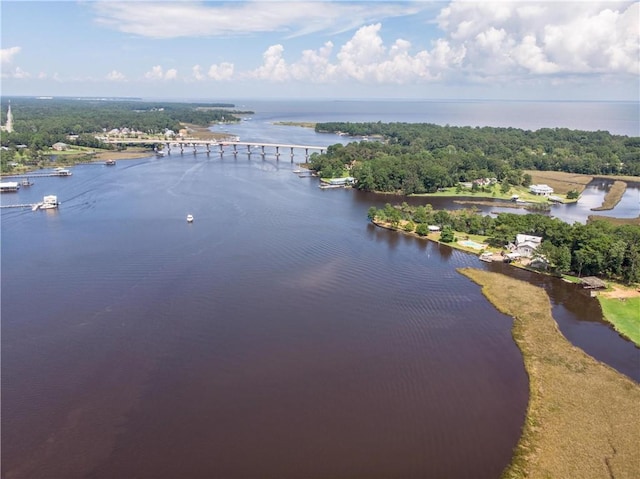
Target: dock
column 24, row 205
column 38, row 175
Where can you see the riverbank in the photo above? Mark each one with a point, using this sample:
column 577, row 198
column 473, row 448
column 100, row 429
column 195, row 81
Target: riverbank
column 582, row 418
column 80, row 157
column 620, row 304
column 621, row 307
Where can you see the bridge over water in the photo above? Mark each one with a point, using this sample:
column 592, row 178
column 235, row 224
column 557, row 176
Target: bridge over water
column 224, row 145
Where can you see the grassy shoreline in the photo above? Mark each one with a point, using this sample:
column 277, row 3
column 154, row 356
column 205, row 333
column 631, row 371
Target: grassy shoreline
column 82, row 157
column 583, row 418
column 613, row 196
column 623, row 314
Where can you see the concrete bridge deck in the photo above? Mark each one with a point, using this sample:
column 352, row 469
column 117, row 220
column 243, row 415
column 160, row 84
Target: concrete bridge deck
column 221, row 145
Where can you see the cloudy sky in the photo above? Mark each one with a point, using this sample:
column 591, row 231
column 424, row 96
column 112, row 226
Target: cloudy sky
column 583, row 50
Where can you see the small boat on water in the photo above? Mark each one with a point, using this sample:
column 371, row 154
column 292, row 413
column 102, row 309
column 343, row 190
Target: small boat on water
column 49, row 202
column 26, row 182
column 189, row 218
column 110, row 162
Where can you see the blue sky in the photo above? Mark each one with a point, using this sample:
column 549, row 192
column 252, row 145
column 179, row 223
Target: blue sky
column 584, row 50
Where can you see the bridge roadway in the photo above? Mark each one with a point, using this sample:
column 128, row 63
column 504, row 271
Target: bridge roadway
column 222, row 144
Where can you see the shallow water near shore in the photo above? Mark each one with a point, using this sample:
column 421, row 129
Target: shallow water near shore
column 278, row 335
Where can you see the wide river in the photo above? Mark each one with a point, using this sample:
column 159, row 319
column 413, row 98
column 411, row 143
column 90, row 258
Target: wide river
column 280, row 335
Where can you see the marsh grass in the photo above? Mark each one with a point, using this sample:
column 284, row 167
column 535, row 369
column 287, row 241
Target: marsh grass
column 583, row 418
column 561, row 182
column 613, row 196
column 614, row 221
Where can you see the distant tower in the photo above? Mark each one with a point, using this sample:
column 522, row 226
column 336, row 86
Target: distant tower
column 9, row 126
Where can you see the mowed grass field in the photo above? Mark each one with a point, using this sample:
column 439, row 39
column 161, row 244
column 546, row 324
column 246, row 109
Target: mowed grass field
column 624, row 314
column 583, row 417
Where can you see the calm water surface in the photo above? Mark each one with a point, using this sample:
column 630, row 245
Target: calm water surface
column 279, row 335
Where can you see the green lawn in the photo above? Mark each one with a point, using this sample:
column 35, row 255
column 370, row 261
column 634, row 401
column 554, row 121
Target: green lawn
column 496, row 194
column 624, row 314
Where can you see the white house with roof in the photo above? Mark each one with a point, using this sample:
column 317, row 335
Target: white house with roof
column 541, row 190
column 526, row 245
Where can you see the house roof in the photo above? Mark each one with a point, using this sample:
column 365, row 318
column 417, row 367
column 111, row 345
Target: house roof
column 591, row 282
column 521, row 238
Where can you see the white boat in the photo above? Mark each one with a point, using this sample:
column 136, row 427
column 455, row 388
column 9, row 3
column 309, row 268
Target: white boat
column 189, row 218
column 48, row 203
column 62, row 172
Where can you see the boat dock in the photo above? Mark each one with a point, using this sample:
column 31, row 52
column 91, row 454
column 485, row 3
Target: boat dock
column 47, row 203
column 39, row 175
column 24, row 205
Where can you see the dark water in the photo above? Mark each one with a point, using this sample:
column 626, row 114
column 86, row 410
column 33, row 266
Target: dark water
column 279, row 335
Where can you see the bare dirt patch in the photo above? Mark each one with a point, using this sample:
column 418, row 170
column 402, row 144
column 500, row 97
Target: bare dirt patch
column 620, row 292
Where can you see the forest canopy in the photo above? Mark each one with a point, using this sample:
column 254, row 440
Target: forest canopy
column 413, row 158
column 39, row 123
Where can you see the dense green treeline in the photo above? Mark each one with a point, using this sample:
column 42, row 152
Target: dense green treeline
column 597, row 248
column 420, row 158
column 39, row 123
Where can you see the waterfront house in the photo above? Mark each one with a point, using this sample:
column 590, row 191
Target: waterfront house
column 433, row 228
column 525, row 245
column 541, row 190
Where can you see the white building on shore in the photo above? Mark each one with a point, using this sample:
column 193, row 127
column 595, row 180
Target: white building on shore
column 541, row 190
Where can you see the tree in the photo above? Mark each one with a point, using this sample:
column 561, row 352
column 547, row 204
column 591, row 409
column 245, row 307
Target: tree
column 372, row 212
column 422, row 229
column 447, row 235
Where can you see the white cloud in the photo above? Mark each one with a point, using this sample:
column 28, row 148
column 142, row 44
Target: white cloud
column 199, row 19
column 273, row 68
column 541, row 38
column 364, row 58
column 157, row 73
column 7, row 54
column 221, row 72
column 197, row 72
column 315, row 65
column 115, row 75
